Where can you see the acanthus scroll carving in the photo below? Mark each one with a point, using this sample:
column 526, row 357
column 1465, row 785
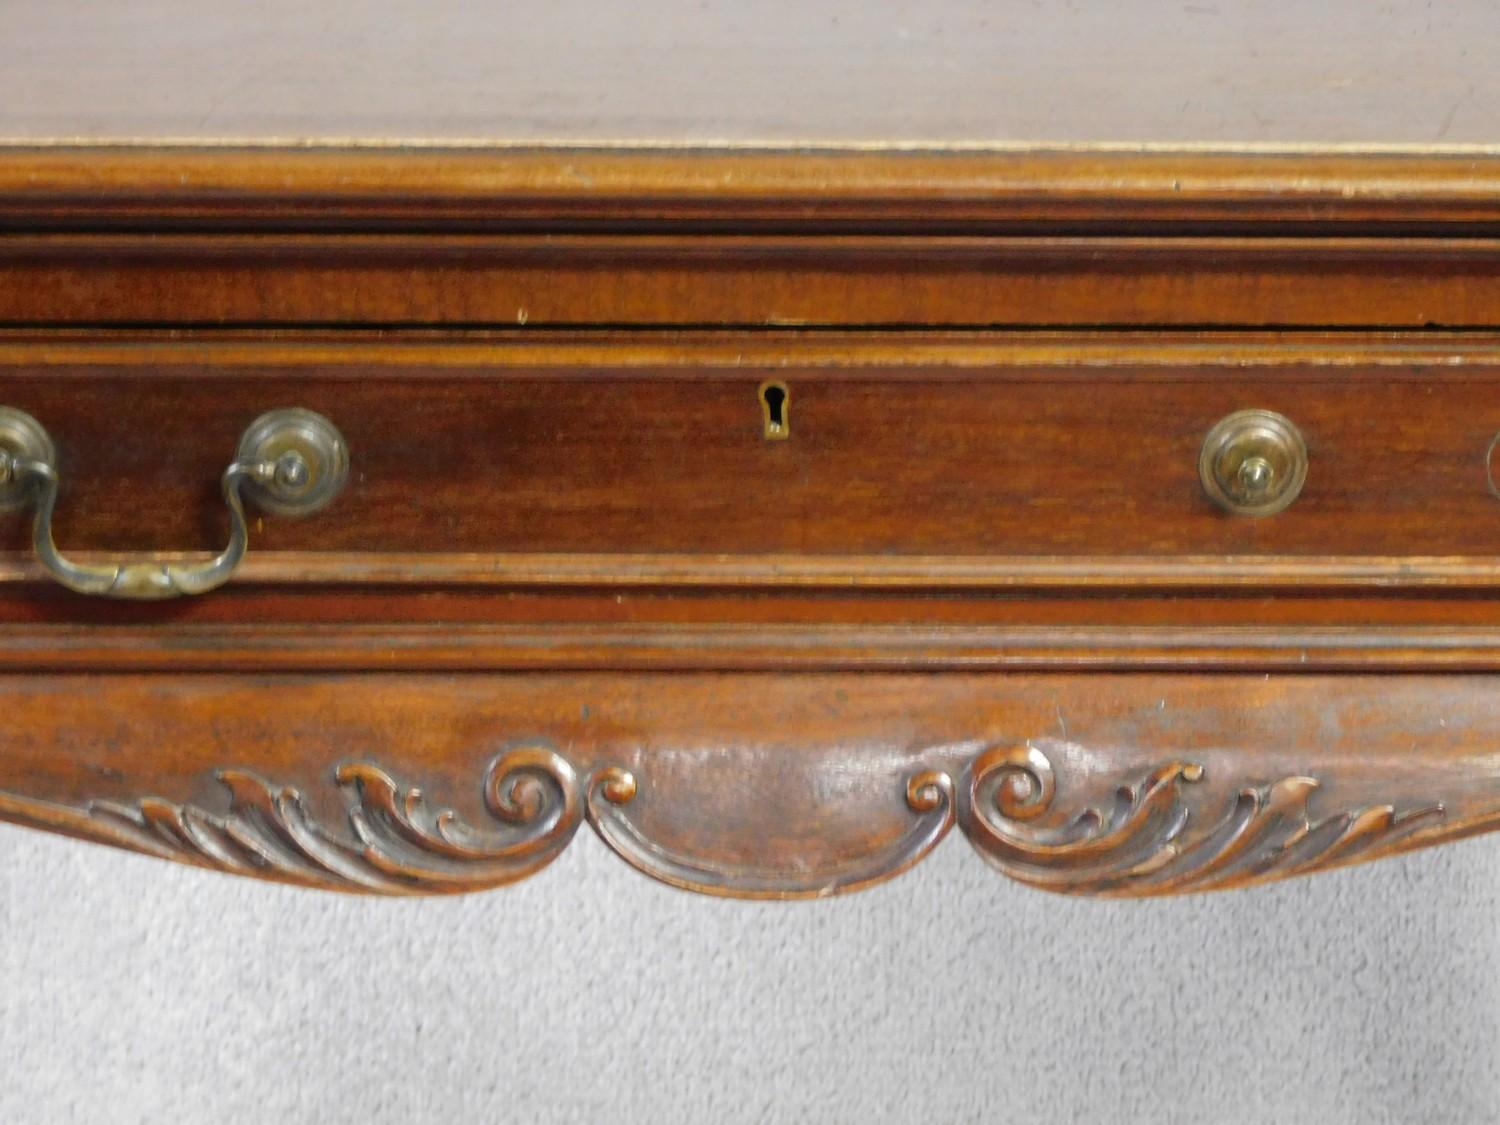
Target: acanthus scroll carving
column 397, row 844
column 1152, row 836
column 1049, row 814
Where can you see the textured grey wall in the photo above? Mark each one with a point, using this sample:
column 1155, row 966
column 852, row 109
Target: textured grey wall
column 134, row 991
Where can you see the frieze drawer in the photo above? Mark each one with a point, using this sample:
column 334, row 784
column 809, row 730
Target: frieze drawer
column 974, row 447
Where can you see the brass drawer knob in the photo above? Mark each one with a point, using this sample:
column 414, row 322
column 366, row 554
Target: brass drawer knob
column 290, row 462
column 1253, row 463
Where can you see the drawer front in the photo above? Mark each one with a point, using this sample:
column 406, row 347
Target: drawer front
column 730, row 637
column 979, row 452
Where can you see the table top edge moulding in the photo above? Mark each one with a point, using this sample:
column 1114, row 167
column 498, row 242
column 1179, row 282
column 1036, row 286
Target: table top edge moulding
column 421, row 187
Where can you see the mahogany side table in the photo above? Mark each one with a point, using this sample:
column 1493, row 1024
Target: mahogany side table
column 772, row 442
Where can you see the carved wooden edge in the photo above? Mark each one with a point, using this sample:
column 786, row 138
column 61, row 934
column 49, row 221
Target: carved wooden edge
column 394, row 842
column 1158, row 831
column 1152, row 835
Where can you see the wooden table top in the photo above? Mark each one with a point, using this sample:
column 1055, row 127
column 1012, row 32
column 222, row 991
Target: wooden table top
column 1281, row 73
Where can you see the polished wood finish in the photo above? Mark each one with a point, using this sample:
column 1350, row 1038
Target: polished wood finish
column 571, row 579
column 498, row 237
column 750, row 281
column 930, row 189
column 533, row 458
column 780, row 787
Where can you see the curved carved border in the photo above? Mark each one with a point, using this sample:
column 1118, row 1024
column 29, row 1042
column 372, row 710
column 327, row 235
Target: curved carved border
column 1160, row 832
column 1146, row 839
column 397, row 844
column 929, row 795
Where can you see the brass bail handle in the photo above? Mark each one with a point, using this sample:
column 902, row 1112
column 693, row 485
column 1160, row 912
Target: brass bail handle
column 289, row 462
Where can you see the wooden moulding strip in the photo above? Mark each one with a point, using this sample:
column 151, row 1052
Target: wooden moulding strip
column 834, row 572
column 417, row 187
column 738, row 647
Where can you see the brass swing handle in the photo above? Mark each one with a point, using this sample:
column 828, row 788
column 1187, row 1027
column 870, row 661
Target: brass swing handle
column 291, row 462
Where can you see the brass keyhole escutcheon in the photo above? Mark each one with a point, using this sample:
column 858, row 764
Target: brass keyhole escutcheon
column 776, row 409
column 1253, row 463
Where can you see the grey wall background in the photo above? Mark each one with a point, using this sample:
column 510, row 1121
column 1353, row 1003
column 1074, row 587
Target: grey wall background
column 133, row 990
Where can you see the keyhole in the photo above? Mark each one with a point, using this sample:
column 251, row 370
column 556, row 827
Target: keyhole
column 775, row 404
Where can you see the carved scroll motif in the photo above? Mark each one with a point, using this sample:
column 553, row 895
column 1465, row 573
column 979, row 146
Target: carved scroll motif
column 1043, row 813
column 396, row 844
column 1152, row 836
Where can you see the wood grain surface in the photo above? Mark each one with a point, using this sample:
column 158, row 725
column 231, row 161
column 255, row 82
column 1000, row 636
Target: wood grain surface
column 755, row 786
column 917, row 457
column 754, row 282
column 330, row 189
column 533, row 237
column 974, row 581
